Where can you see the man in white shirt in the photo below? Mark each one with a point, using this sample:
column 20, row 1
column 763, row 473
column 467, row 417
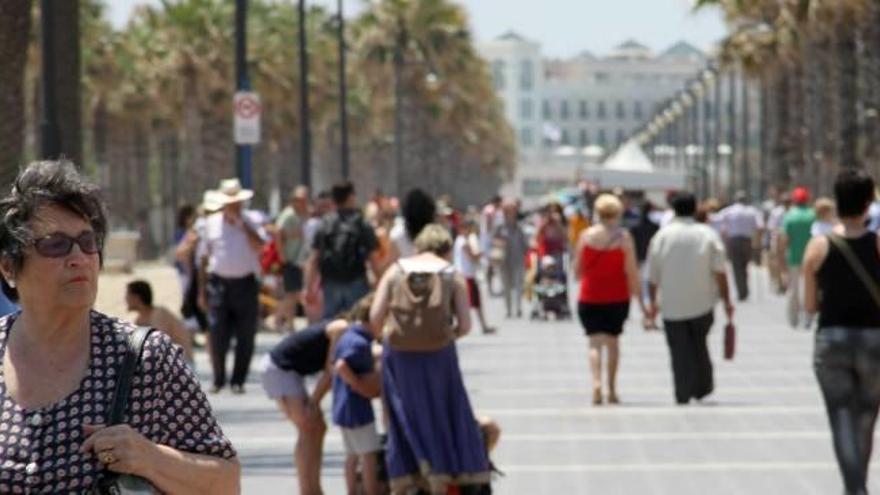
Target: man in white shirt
column 686, row 265
column 230, row 253
column 742, row 225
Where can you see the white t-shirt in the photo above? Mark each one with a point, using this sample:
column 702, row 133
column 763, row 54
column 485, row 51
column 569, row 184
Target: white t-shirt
column 463, row 262
column 229, row 253
column 401, row 240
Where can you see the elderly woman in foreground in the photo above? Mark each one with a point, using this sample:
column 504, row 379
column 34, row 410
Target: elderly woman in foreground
column 58, row 361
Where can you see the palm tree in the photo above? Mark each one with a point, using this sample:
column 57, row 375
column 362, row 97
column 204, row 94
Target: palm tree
column 449, row 112
column 15, row 25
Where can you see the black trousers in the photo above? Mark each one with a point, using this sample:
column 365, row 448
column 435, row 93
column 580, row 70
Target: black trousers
column 233, row 306
column 691, row 364
column 847, row 365
column 740, row 252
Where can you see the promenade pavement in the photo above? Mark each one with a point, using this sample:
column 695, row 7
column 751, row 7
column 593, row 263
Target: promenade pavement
column 762, row 432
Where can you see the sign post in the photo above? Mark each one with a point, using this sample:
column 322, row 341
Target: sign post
column 247, row 117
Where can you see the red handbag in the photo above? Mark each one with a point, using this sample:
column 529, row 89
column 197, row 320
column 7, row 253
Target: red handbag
column 729, row 341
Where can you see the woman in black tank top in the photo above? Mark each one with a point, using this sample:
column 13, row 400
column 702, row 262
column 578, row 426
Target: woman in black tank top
column 847, row 353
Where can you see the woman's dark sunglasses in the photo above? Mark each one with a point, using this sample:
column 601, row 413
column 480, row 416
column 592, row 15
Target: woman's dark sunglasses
column 57, row 245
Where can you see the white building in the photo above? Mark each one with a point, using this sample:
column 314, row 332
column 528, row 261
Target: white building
column 569, row 114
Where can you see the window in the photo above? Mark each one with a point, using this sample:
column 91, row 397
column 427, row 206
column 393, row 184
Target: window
column 600, row 111
column 526, row 138
column 566, row 138
column 621, row 136
column 547, row 110
column 601, row 138
column 498, row 68
column 584, row 139
column 621, row 112
column 526, row 75
column 563, row 110
column 525, row 109
column 709, row 109
column 584, row 110
column 637, row 110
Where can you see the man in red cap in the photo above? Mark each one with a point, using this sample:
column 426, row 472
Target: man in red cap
column 793, row 242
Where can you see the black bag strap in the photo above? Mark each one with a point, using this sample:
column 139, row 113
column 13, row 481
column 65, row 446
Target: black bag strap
column 125, row 373
column 856, row 267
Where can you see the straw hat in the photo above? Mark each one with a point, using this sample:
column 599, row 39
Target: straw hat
column 231, row 192
column 212, row 201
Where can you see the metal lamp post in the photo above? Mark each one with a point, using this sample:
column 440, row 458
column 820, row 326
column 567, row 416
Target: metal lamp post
column 242, row 83
column 343, row 96
column 305, row 134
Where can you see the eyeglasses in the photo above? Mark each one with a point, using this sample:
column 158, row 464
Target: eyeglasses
column 57, row 244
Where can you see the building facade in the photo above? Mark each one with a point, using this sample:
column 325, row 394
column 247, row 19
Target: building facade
column 569, row 114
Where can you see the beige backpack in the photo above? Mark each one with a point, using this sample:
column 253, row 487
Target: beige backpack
column 420, row 312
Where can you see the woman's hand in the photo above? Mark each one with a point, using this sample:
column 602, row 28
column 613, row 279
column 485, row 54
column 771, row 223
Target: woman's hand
column 120, row 448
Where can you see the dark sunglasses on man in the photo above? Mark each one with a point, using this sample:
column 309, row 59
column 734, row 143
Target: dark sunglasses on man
column 57, row 245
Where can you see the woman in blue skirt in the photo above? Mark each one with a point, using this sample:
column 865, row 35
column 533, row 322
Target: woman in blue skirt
column 433, row 437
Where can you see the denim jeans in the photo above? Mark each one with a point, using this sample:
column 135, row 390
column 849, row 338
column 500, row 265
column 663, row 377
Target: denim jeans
column 339, row 297
column 847, row 365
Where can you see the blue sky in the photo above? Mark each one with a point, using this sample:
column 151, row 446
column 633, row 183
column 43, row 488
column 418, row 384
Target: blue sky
column 566, row 27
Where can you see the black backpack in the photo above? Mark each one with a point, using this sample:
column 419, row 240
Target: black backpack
column 342, row 254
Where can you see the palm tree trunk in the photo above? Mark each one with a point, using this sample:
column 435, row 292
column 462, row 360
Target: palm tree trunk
column 847, row 58
column 68, row 86
column 15, row 26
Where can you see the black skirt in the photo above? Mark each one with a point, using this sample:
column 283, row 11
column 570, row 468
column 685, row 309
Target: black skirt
column 606, row 318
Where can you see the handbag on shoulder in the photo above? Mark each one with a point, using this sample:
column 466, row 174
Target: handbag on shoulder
column 116, row 483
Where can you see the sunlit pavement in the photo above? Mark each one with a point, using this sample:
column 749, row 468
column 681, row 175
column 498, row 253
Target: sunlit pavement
column 762, row 432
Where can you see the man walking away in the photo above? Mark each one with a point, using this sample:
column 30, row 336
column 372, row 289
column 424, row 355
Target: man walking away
column 231, row 249
column 793, row 242
column 743, row 224
column 776, row 251
column 290, row 225
column 342, row 247
column 686, row 266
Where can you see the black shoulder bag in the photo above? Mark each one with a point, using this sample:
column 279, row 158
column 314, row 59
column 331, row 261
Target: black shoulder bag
column 115, row 483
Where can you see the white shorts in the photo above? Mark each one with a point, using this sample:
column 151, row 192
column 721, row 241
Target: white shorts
column 280, row 383
column 361, row 440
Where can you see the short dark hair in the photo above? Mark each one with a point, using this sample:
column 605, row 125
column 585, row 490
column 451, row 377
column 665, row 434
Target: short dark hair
column 184, row 213
column 341, row 191
column 418, row 209
column 43, row 183
column 143, row 291
column 684, row 204
column 853, row 192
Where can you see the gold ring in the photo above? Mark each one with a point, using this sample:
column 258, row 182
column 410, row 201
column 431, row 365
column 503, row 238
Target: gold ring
column 106, row 457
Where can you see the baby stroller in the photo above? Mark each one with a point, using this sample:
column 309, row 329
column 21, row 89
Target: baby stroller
column 551, row 291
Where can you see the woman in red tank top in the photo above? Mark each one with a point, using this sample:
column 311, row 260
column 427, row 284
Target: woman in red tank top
column 605, row 263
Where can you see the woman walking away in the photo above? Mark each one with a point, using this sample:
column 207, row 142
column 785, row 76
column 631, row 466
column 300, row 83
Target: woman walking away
column 841, row 271
column 605, row 263
column 60, row 362
column 433, row 439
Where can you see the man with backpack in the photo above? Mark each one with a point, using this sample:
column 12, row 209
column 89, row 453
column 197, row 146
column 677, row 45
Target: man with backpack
column 342, row 248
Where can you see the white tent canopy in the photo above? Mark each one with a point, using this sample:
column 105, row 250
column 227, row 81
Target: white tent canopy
column 630, row 168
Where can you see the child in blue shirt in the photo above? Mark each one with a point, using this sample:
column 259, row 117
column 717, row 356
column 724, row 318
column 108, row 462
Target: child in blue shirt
column 355, row 383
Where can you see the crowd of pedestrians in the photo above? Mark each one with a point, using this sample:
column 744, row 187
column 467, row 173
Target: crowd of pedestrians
column 387, row 288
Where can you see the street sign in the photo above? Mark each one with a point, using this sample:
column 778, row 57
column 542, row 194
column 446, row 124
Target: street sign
column 247, row 117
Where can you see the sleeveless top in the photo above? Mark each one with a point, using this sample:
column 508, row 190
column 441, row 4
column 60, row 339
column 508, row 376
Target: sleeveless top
column 603, row 279
column 844, row 301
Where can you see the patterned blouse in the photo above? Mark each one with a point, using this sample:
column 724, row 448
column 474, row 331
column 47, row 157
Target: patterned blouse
column 39, row 448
